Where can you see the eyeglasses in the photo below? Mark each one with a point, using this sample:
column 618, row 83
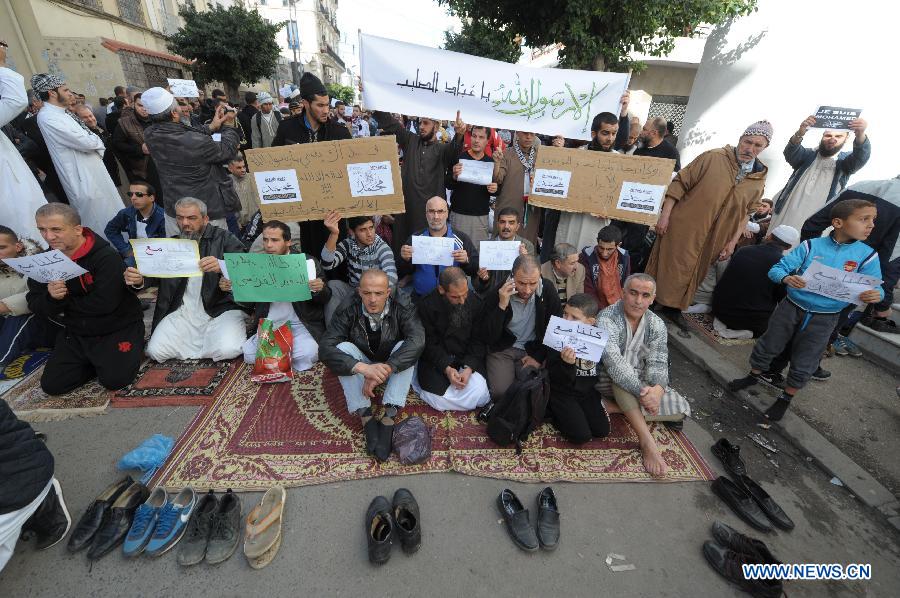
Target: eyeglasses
column 137, row 194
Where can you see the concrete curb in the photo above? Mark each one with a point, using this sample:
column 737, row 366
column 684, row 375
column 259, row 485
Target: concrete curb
column 824, row 454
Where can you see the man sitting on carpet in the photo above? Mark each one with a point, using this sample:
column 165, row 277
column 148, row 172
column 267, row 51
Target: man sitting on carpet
column 635, row 371
column 508, row 225
column 451, row 371
column 307, row 318
column 194, row 318
column 564, row 271
column 375, row 338
column 103, row 323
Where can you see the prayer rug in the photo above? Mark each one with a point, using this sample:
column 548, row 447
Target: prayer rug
column 175, row 382
column 17, row 369
column 32, row 404
column 703, row 324
column 253, row 436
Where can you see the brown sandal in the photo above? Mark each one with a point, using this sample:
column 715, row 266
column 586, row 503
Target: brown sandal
column 263, row 528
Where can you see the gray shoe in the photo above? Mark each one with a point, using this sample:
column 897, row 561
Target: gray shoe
column 192, row 547
column 225, row 534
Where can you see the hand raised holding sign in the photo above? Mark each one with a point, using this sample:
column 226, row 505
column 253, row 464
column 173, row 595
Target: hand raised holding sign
column 57, row 289
column 210, row 264
column 858, row 126
column 870, row 296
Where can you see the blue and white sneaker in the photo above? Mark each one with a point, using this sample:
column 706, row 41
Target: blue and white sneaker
column 173, row 519
column 144, row 523
column 844, row 346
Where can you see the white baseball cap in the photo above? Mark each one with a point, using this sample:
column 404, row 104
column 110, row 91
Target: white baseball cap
column 786, row 233
column 157, row 100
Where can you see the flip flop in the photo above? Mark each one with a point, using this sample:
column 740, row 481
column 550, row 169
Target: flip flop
column 268, row 556
column 263, row 528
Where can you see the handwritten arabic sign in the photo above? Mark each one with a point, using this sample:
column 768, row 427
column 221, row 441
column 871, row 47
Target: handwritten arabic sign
column 552, row 183
column 167, row 258
column 834, row 117
column 183, row 88
column 588, row 341
column 45, row 267
column 435, row 251
column 597, row 181
column 837, row 284
column 260, row 277
column 640, row 197
column 326, row 183
column 498, row 255
column 476, row 172
column 401, row 77
column 277, row 186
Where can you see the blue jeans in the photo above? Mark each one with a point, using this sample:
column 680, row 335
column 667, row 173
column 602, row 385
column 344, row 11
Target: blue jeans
column 394, row 393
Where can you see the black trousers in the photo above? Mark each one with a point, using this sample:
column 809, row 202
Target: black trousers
column 114, row 359
column 579, row 418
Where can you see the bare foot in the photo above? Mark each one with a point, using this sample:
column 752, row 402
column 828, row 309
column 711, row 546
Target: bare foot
column 653, row 461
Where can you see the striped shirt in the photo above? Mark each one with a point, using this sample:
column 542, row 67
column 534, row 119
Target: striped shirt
column 359, row 258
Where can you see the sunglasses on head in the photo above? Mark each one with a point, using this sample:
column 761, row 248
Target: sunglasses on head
column 137, row 194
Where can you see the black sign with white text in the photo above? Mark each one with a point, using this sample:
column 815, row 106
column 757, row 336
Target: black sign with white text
column 835, row 117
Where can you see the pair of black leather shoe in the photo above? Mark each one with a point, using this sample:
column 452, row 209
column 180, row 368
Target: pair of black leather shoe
column 106, row 522
column 518, row 521
column 386, row 520
column 730, row 550
column 379, row 437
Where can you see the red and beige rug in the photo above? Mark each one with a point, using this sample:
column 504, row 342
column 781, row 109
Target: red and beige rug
column 251, row 437
column 32, row 404
column 172, row 383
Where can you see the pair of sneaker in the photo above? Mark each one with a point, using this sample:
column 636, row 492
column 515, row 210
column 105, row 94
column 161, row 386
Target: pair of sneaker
column 386, row 521
column 159, row 523
column 730, row 550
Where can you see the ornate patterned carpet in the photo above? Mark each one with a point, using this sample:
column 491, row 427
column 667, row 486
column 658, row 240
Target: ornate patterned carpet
column 702, row 324
column 250, row 437
column 32, row 404
column 187, row 382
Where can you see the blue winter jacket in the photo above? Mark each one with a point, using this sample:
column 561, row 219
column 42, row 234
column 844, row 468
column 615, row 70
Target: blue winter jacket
column 126, row 222
column 852, row 257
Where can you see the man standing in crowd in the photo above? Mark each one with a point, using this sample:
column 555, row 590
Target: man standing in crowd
column 128, row 140
column 654, row 143
column 819, row 174
column 514, row 173
column 471, row 201
column 264, row 124
column 451, row 373
column 564, row 271
column 251, row 107
column 77, row 154
column 86, row 116
column 189, row 160
column 375, row 338
column 705, row 213
column 243, row 187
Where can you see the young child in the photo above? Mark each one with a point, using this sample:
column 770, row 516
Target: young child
column 575, row 403
column 606, row 266
column 804, row 320
column 20, row 331
column 143, row 220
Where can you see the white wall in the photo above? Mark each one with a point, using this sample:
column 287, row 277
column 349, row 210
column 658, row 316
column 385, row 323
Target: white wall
column 784, row 61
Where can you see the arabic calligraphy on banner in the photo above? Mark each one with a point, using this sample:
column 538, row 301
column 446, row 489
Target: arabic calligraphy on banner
column 45, row 267
column 597, row 180
column 587, row 341
column 261, row 277
column 402, row 77
column 356, row 177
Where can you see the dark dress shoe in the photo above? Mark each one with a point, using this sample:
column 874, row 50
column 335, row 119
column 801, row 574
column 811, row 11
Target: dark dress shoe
column 741, row 503
column 385, row 440
column 727, row 563
column 517, row 522
column 379, row 530
column 738, row 542
column 406, row 516
column 371, row 430
column 730, row 454
column 90, row 521
column 118, row 521
column 548, row 519
column 765, row 502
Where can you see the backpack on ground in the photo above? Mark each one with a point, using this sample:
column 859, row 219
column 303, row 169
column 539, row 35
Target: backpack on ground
column 521, row 409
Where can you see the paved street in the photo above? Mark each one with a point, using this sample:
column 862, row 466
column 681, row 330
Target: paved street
column 658, row 527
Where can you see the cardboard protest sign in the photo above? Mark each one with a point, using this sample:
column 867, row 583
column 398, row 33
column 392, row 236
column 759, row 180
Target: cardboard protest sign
column 260, row 277
column 587, row 341
column 834, row 117
column 45, row 267
column 838, row 284
column 596, row 183
column 167, row 258
column 356, row 177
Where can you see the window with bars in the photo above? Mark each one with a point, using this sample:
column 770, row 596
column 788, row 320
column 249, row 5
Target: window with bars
column 158, row 75
column 131, row 10
column 670, row 108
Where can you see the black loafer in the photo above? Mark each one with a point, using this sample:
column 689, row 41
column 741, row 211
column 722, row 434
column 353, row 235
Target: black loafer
column 738, row 542
column 728, row 564
column 548, row 519
column 118, row 521
column 730, row 455
column 371, row 430
column 90, row 521
column 379, row 530
column 385, row 438
column 765, row 502
column 517, row 521
column 741, row 503
column 406, row 516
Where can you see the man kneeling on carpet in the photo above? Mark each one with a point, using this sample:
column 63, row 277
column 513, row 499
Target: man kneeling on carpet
column 374, row 338
column 451, row 372
column 635, row 372
column 307, row 318
column 194, row 318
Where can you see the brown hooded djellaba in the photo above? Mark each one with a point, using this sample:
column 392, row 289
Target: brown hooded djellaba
column 710, row 208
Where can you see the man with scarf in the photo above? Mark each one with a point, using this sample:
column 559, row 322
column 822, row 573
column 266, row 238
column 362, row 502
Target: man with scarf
column 606, row 266
column 514, row 173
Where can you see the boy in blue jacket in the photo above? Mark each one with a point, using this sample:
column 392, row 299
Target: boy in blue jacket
column 143, row 220
column 804, row 320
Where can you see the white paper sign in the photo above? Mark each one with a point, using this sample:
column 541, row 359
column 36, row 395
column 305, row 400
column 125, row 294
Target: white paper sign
column 224, row 268
column 277, row 186
column 348, row 111
column 435, row 251
column 476, row 172
column 45, row 267
column 311, row 269
column 641, row 197
column 588, row 341
column 167, row 258
column 552, row 183
column 402, row 77
column 370, row 178
column 837, row 284
column 183, row 88
column 498, row 255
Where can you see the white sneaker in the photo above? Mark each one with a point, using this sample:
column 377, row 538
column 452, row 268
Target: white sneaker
column 698, row 308
column 726, row 332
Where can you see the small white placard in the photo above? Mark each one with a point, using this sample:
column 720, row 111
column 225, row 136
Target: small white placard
column 588, row 341
column 348, row 111
column 183, row 88
column 640, row 197
column 476, row 172
column 167, row 258
column 435, row 251
column 277, row 186
column 552, row 183
column 224, row 268
column 46, row 267
column 838, row 284
column 498, row 255
column 370, row 178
